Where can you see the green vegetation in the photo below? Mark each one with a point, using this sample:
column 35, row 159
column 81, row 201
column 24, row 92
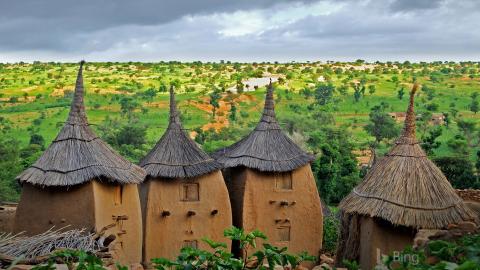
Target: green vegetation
column 221, row 258
column 463, row 254
column 330, row 109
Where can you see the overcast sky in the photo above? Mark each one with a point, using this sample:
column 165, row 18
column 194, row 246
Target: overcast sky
column 239, row 30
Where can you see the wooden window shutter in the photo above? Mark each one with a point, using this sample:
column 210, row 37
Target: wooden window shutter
column 190, row 192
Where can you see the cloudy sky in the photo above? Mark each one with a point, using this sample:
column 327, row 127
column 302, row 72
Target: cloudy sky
column 239, row 30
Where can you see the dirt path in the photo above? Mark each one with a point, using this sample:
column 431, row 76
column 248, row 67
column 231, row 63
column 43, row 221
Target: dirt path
column 221, row 116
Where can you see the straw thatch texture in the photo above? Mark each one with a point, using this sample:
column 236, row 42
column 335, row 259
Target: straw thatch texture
column 176, row 155
column 406, row 188
column 266, row 148
column 77, row 155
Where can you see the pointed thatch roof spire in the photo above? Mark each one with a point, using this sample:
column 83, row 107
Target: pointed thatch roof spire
column 77, row 113
column 77, row 155
column 406, row 188
column 266, row 148
column 174, row 114
column 176, row 155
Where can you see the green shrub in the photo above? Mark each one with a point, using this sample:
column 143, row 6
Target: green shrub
column 331, row 227
column 191, row 258
column 462, row 254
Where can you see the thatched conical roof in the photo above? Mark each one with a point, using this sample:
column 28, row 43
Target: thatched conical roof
column 176, row 155
column 266, row 148
column 406, row 188
column 78, row 156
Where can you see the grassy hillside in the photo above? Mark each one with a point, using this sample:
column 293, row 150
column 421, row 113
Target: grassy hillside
column 35, row 99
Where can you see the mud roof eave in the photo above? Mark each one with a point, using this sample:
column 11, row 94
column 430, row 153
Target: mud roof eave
column 406, row 188
column 176, row 155
column 266, row 148
column 78, row 155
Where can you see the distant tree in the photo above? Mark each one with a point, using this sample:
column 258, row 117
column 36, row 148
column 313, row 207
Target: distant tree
column 357, row 94
column 128, row 105
column 239, row 86
column 474, row 106
column 401, row 93
column 162, row 88
column 371, row 89
column 324, row 93
column 430, row 141
column 10, row 167
column 381, row 125
column 233, row 112
column 458, row 170
column 150, row 94
column 133, row 135
column 38, row 140
column 469, row 131
column 214, row 101
column 335, row 170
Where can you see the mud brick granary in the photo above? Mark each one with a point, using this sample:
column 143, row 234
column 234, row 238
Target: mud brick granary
column 272, row 187
column 184, row 197
column 81, row 182
column 403, row 192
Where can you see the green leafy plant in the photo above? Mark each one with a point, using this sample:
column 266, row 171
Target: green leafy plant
column 220, row 259
column 462, row 254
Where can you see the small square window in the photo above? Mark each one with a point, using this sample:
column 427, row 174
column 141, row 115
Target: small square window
column 190, row 243
column 283, row 181
column 190, row 192
column 283, row 233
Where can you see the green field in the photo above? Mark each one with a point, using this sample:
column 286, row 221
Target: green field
column 35, row 99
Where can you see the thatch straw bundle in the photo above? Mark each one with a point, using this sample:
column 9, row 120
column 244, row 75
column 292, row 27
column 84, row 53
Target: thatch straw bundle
column 406, row 188
column 266, row 148
column 77, row 155
column 176, row 155
column 44, row 244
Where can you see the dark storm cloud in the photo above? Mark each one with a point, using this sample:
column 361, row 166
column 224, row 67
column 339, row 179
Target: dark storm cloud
column 413, row 5
column 239, row 30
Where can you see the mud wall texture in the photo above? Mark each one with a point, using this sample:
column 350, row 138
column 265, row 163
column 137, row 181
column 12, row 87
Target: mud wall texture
column 40, row 209
column 92, row 206
column 119, row 206
column 285, row 206
column 379, row 237
column 180, row 212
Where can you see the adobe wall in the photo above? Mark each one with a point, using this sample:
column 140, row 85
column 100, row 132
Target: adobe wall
column 7, row 217
column 41, row 209
column 379, row 237
column 165, row 235
column 263, row 210
column 125, row 214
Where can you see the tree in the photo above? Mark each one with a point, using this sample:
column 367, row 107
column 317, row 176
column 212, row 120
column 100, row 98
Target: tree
column 134, row 135
column 429, row 142
column 474, row 106
column 10, row 167
column 150, row 94
column 38, row 140
column 458, row 170
column 324, row 93
column 128, row 106
column 214, row 101
column 400, row 93
column 233, row 112
column 381, row 125
column 371, row 89
column 468, row 130
column 335, row 170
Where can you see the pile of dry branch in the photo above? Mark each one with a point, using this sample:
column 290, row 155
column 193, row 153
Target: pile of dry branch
column 38, row 248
